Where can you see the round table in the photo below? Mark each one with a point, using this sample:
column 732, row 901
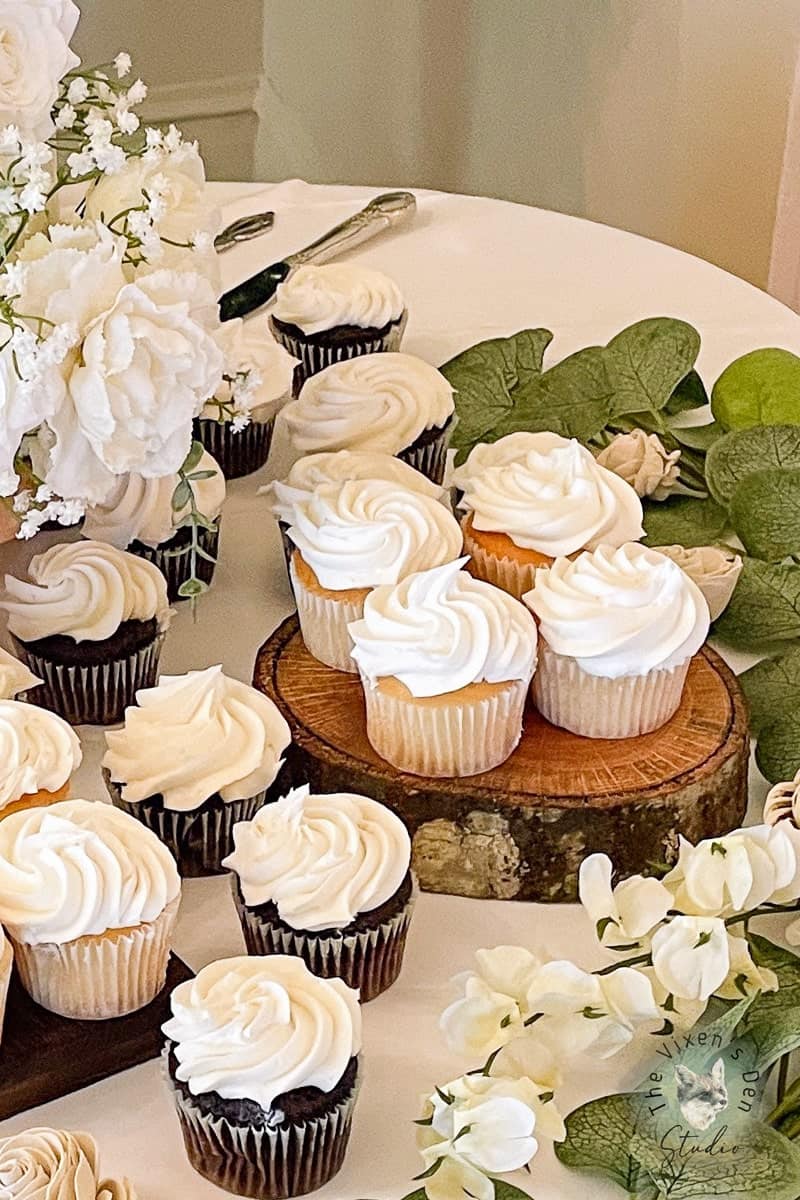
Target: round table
column 470, row 268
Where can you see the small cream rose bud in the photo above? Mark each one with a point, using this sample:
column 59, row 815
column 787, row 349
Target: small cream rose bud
column 783, row 802
column 714, row 571
column 642, row 461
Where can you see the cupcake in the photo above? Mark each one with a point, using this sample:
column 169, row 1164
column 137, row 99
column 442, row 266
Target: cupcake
column 140, row 516
column 90, row 621
column 51, row 1164
column 350, row 537
column 236, row 424
column 529, row 498
column 15, row 678
column 325, row 314
column 262, row 1059
column 445, row 661
column 6, row 967
column 89, row 898
column 618, row 628
column 196, row 754
column 327, row 878
column 394, row 403
column 39, row 752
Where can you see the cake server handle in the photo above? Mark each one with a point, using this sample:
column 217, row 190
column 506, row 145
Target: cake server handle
column 384, row 212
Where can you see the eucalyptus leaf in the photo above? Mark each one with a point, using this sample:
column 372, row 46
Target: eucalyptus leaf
column 599, row 1136
column 764, row 609
column 648, row 360
column 760, row 388
column 772, row 690
column 503, row 1190
column 689, row 394
column 573, row 398
column 739, row 454
column 181, row 496
column 778, row 749
column 419, row 1194
column 683, row 521
column 697, row 437
column 192, row 588
column 193, row 457
column 196, row 475
column 765, row 512
column 764, row 1166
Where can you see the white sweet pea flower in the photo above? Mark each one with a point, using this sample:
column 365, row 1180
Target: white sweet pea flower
column 744, row 976
column 34, row 56
column 642, row 461
column 627, row 912
column 494, row 1004
column 527, row 1057
column 591, row 1014
column 682, row 1014
column 691, row 958
column 730, row 874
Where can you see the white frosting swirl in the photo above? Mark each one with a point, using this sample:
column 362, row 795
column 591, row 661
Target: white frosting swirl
column 194, row 736
column 80, row 867
column 14, row 676
column 321, row 860
column 336, row 466
column 38, row 751
column 51, row 1164
column 373, row 402
column 84, row 590
column 441, row 630
column 254, row 1028
column 141, row 509
column 365, row 532
column 315, row 298
column 548, row 494
column 623, row 611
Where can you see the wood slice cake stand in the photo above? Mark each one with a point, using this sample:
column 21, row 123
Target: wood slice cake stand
column 522, row 830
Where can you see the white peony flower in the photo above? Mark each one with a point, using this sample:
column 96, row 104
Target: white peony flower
column 730, row 874
column 494, row 1004
column 51, row 1164
column 716, row 572
column 591, row 1014
column 691, row 958
column 630, row 910
column 72, row 273
column 34, row 55
column 642, row 461
column 23, row 406
column 744, row 976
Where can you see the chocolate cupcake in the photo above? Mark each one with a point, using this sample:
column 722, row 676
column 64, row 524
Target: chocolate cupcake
column 196, row 754
column 326, row 314
column 140, row 516
column 90, row 622
column 326, row 878
column 262, row 1059
column 394, row 403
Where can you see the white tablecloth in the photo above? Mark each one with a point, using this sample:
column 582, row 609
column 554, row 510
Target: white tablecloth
column 470, row 269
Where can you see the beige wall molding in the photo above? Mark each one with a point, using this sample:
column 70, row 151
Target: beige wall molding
column 225, row 96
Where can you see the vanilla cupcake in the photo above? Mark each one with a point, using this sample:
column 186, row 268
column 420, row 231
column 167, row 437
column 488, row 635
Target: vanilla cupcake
column 89, row 898
column 15, row 678
column 6, row 967
column 326, row 877
column 140, row 516
column 51, row 1164
column 350, row 537
column 324, row 314
column 394, row 403
column 90, row 621
column 618, row 628
column 196, row 754
column 530, row 498
column 262, row 1059
column 39, row 752
column 445, row 661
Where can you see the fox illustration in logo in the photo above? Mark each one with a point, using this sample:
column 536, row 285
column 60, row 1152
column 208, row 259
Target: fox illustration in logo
column 701, row 1098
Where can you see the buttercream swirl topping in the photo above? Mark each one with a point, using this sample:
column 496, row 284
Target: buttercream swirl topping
column 321, row 860
column 365, row 532
column 441, row 630
column 80, row 867
column 255, row 1028
column 620, row 610
column 51, row 1164
column 14, row 676
column 548, row 494
column 140, row 509
column 84, row 590
column 372, row 402
column 316, row 298
column 38, row 751
column 194, row 736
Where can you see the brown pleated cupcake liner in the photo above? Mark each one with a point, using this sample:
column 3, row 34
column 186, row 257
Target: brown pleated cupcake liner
column 428, row 454
column 240, row 453
column 6, row 965
column 323, row 624
column 511, row 576
column 94, row 978
column 95, row 694
column 265, row 1162
column 369, row 960
column 314, row 357
column 199, row 839
column 176, row 568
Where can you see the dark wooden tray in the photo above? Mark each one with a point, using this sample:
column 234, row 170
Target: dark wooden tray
column 44, row 1056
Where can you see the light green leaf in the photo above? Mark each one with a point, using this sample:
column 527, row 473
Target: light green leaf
column 191, row 588
column 765, row 512
column 778, row 749
column 698, row 437
column 764, row 609
column 503, row 1190
column 689, row 394
column 772, row 1025
column 193, row 457
column 760, row 388
column 683, row 521
column 764, row 1166
column 419, row 1194
column 772, row 689
column 647, row 361
column 181, row 496
column 736, row 455
column 599, row 1137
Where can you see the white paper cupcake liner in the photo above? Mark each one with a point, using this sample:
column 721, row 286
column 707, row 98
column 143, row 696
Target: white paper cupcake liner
column 240, row 453
column 428, row 455
column 265, row 1162
column 314, row 357
column 513, row 577
column 460, row 737
column 596, row 707
column 323, row 623
column 95, row 978
column 6, row 966
column 176, row 567
column 95, row 694
column 369, row 960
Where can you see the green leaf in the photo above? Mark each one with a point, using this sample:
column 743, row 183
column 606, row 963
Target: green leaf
column 764, row 1166
column 683, row 521
column 760, row 388
column 765, row 512
column 764, row 609
column 191, row 588
column 181, row 496
column 503, row 1190
column 648, row 360
column 778, row 749
column 688, row 395
column 419, row 1194
column 772, row 689
column 572, row 398
column 772, row 1025
column 697, row 437
column 195, row 475
column 193, row 457
column 599, row 1136
column 739, row 454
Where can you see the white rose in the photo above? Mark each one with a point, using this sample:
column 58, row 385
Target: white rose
column 630, row 910
column 51, row 1163
column 251, row 348
column 783, row 802
column 591, row 1014
column 34, row 55
column 494, row 1004
column 70, row 274
column 726, row 875
column 691, row 956
column 149, row 362
column 642, row 461
column 716, row 572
